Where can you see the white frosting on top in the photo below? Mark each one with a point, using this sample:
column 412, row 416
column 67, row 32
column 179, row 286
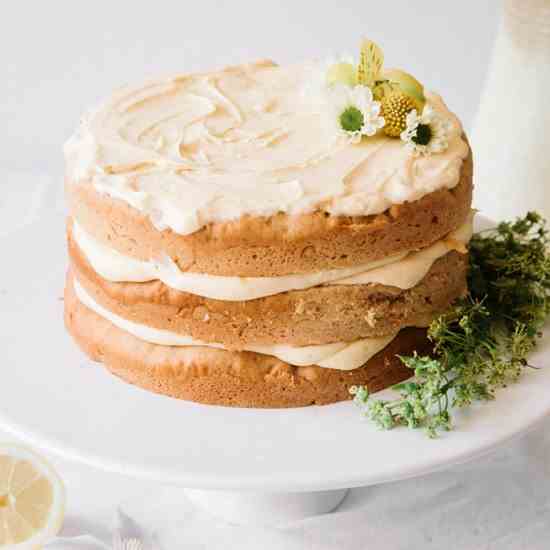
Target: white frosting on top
column 212, row 147
column 339, row 355
column 403, row 270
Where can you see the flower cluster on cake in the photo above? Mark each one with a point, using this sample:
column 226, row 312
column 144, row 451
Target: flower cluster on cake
column 264, row 235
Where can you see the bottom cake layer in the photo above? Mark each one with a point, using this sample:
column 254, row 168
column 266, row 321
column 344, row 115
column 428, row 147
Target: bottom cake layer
column 220, row 377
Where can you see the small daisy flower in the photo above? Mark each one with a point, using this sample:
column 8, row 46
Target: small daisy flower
column 427, row 133
column 354, row 112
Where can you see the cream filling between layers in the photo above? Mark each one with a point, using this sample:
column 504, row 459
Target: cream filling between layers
column 339, row 355
column 402, row 271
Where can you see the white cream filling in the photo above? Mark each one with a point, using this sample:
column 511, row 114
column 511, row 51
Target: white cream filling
column 339, row 355
column 402, row 270
column 410, row 270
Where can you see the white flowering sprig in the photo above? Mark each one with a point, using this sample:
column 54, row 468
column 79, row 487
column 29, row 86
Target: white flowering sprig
column 354, row 112
column 427, row 133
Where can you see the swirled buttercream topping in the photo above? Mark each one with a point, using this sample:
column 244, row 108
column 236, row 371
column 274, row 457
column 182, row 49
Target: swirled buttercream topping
column 212, row 147
column 403, row 270
column 339, row 355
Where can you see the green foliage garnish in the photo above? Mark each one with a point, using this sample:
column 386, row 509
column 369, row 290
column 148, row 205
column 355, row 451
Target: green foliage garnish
column 483, row 342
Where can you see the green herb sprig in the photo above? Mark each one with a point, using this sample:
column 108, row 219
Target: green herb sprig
column 483, row 342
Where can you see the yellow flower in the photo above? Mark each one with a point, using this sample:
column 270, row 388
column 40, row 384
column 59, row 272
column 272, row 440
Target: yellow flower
column 395, row 108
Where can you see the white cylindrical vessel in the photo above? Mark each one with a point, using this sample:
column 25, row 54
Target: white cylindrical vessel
column 511, row 135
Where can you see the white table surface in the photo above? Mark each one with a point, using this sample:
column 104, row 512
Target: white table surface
column 500, row 502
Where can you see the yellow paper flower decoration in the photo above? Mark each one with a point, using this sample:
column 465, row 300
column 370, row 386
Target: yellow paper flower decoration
column 371, row 59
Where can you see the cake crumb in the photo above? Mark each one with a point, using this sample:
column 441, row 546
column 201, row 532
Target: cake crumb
column 370, row 318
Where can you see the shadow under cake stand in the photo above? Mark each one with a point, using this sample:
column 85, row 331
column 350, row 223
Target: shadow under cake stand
column 244, row 465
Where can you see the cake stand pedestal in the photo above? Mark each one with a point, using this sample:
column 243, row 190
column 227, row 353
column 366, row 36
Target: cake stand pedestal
column 258, row 508
column 245, row 465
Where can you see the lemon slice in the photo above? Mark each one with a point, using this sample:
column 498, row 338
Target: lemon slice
column 32, row 499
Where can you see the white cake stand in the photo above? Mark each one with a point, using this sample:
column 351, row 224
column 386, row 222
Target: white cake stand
column 245, row 465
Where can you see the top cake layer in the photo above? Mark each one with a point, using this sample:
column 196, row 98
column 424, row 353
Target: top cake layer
column 208, row 148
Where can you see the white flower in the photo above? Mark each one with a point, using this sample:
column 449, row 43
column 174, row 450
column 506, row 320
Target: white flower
column 354, row 112
column 428, row 133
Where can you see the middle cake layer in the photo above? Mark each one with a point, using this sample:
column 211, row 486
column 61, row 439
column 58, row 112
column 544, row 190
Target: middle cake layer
column 319, row 315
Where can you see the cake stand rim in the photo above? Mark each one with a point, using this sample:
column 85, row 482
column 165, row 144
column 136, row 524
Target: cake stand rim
column 259, row 483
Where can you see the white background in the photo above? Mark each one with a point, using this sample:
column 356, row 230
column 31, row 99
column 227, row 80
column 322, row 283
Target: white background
column 60, row 57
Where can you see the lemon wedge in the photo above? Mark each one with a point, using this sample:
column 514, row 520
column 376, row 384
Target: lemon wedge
column 32, row 499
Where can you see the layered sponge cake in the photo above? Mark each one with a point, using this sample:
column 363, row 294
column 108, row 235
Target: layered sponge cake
column 228, row 245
